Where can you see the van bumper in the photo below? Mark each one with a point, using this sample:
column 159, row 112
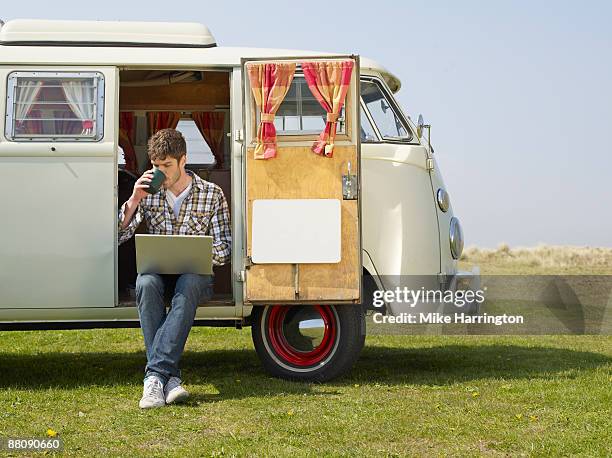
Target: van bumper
column 467, row 280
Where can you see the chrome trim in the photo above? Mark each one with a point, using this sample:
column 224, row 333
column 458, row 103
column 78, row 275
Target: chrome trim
column 304, row 328
column 455, row 238
column 443, row 199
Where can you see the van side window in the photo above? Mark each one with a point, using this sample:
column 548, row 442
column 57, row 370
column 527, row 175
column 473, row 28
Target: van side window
column 52, row 106
column 368, row 135
column 300, row 113
column 382, row 112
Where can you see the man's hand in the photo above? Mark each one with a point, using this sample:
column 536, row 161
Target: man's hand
column 140, row 187
column 138, row 194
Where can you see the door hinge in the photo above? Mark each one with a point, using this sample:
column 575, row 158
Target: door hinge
column 241, row 274
column 430, row 163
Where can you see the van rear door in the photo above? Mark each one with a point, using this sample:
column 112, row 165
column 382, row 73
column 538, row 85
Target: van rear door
column 302, row 195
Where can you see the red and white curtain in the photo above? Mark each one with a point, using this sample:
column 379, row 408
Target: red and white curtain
column 329, row 82
column 270, row 83
column 65, row 123
column 158, row 120
column 34, row 124
column 81, row 99
column 211, row 125
column 27, row 95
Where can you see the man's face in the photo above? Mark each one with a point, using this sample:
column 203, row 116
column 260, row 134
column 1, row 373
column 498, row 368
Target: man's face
column 172, row 168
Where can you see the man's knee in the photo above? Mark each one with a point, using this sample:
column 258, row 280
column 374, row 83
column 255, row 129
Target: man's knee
column 147, row 282
column 198, row 285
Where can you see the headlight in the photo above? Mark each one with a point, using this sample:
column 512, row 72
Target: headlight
column 443, row 199
column 456, row 238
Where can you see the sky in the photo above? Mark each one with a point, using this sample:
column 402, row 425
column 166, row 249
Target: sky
column 518, row 93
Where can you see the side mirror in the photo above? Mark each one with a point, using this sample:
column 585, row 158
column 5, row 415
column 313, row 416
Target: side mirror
column 420, row 126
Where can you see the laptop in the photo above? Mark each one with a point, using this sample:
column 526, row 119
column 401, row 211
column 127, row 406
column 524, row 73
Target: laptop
column 174, row 254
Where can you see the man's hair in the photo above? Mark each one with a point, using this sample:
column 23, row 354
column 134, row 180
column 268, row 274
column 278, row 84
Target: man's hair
column 166, row 142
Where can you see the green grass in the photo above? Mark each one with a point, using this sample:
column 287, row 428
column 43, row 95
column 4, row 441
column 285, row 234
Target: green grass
column 423, row 395
column 407, row 395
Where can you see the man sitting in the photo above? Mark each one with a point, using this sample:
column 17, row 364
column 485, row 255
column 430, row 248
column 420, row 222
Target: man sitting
column 185, row 205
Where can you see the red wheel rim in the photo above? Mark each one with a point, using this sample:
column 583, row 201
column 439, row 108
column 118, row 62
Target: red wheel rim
column 288, row 352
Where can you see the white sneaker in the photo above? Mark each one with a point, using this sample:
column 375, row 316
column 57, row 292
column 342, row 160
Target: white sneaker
column 152, row 393
column 174, row 391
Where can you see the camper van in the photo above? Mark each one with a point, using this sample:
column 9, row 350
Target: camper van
column 333, row 191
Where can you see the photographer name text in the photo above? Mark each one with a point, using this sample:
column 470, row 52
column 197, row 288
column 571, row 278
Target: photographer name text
column 440, row 318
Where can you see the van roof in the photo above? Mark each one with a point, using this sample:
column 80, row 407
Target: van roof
column 144, row 44
column 113, row 33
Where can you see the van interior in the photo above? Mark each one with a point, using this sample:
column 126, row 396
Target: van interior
column 197, row 103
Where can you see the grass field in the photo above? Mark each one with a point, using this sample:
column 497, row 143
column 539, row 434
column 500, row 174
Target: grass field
column 407, row 395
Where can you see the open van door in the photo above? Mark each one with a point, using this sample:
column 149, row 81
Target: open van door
column 302, row 186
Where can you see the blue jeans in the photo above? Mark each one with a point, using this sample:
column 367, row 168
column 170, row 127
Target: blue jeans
column 164, row 333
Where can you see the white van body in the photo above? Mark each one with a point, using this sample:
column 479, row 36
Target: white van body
column 58, row 233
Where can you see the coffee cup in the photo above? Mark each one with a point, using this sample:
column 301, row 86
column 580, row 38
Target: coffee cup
column 155, row 184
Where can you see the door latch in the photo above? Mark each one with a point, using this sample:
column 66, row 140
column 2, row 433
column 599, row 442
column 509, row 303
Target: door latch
column 349, row 185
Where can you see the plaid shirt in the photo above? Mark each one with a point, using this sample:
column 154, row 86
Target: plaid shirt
column 203, row 212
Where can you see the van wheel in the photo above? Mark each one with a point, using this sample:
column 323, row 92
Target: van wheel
column 308, row 342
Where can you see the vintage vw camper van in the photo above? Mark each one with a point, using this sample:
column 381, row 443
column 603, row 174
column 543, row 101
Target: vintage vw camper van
column 333, row 191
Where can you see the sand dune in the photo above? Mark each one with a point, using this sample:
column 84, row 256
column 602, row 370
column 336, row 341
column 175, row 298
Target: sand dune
column 541, row 259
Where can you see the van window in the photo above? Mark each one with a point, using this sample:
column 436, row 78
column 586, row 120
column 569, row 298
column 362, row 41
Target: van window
column 198, row 151
column 46, row 106
column 368, row 135
column 300, row 113
column 386, row 119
